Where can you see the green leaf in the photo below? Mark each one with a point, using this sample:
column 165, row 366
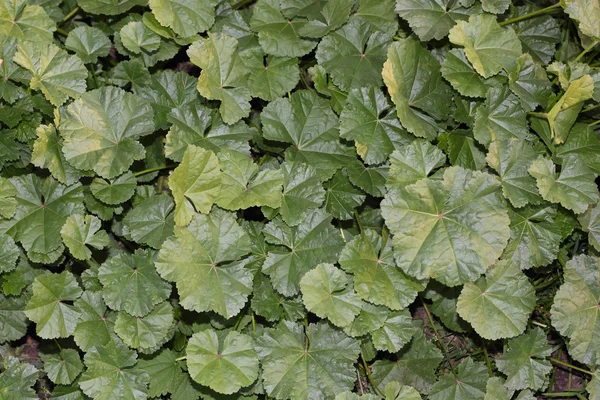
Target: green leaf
column 271, row 77
column 379, row 13
column 210, row 275
column 302, row 192
column 88, row 43
column 196, row 183
column 495, row 389
column 112, row 370
column 307, row 122
column 244, row 186
column 584, row 143
column 56, row 73
column 590, row 223
column 368, row 119
column 414, row 82
column 368, row 319
column 313, row 241
column 42, row 209
column 225, row 364
column 223, row 75
column 574, row 187
column 136, row 37
column 185, row 17
column 443, row 306
column 397, row 330
column 412, row 163
column 342, row 198
column 9, row 253
column 524, row 363
column 13, row 321
column 167, row 91
column 488, row 46
column 376, row 277
column 166, row 376
column 47, row 308
column 96, row 325
column 277, row 35
column 463, row 150
column 64, row 367
column 499, row 304
column 8, row 203
column 108, row 7
column 431, row 217
column 80, row 231
column 371, row 179
column 469, row 383
column 535, row 236
column 327, row 292
column 415, row 365
column 575, row 309
column 101, row 129
column 393, row 391
column 17, row 379
column 47, row 153
column 151, row 221
column 495, row 6
column 563, row 114
column 148, row 331
column 511, row 159
column 10, row 73
column 538, row 35
column 25, row 22
column 457, row 70
column 269, row 304
column 323, row 17
column 587, row 13
column 299, row 364
column 354, row 55
column 431, row 19
column 501, row 117
column 530, row 83
column 203, row 127
column 131, row 283
column 116, row 191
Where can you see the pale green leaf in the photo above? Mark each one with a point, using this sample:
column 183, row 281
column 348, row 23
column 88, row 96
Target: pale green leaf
column 463, row 210
column 575, row 309
column 47, row 308
column 209, row 275
column 299, row 364
column 469, row 383
column 110, row 370
column 136, row 37
column 116, row 191
column 88, row 43
column 369, row 318
column 64, row 367
column 196, row 183
column 8, row 202
column 376, row 277
column 328, row 293
column 148, row 331
column 225, row 364
column 396, row 332
column 185, row 17
column 413, row 162
column 412, row 76
column 587, row 13
column 102, row 128
column 499, row 304
column 271, row 77
column 223, row 75
column 244, row 186
column 17, row 379
column 25, row 21
column 131, row 283
column 56, row 74
column 511, row 159
column 563, row 114
column 574, row 187
column 368, row 119
column 47, row 153
column 524, row 362
column 488, row 46
column 151, row 221
column 313, row 241
column 81, row 231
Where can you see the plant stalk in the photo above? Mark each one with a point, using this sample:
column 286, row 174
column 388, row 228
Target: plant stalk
column 437, row 336
column 369, row 377
column 565, row 364
column 531, row 15
column 147, row 171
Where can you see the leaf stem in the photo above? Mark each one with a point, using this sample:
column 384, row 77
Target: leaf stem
column 369, row 377
column 594, row 123
column 487, row 358
column 70, row 15
column 62, row 32
column 530, row 15
column 585, row 51
column 253, row 321
column 590, row 108
column 539, row 324
column 358, row 221
column 538, row 115
column 146, row 171
column 565, row 364
column 571, row 393
column 437, row 336
column 181, row 358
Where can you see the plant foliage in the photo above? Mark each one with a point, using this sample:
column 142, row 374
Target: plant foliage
column 299, row 199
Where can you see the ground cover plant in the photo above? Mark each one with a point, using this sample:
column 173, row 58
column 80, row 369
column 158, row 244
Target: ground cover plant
column 299, row 199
